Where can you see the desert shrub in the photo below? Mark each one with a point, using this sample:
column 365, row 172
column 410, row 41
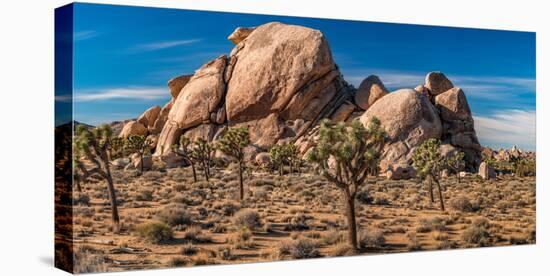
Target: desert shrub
column 175, row 214
column 332, row 237
column 261, row 193
column 436, row 223
column 203, row 258
column 189, row 250
column 242, row 239
column 248, row 218
column 229, row 209
column 478, row 233
column 305, row 248
column 461, row 204
column 89, row 260
column 268, row 227
column 342, row 249
column 364, row 197
column 144, row 195
column 81, row 199
column 195, row 234
column 371, row 239
column 298, row 222
column 414, row 244
column 225, row 254
column 180, row 188
column 154, row 232
column 177, row 262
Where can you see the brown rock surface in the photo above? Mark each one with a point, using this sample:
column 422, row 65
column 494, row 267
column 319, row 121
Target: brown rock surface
column 408, row 118
column 437, row 83
column 274, row 64
column 177, row 83
column 370, row 90
column 149, row 117
column 133, row 128
column 240, row 34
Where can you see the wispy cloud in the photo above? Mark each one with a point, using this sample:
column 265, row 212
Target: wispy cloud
column 481, row 85
column 133, row 93
column 159, row 45
column 507, row 128
column 85, row 34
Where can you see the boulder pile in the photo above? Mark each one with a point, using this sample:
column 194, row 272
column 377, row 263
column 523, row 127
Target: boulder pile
column 280, row 80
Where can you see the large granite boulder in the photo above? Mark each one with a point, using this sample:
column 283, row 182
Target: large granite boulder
column 176, row 84
column 133, row 128
column 437, row 83
column 275, row 63
column 409, row 119
column 370, row 90
column 458, row 125
column 198, row 98
column 240, row 34
column 149, row 117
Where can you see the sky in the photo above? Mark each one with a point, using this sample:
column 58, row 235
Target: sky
column 124, row 56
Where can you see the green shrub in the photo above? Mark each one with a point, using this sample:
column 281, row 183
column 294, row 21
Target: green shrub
column 154, row 232
column 175, row 214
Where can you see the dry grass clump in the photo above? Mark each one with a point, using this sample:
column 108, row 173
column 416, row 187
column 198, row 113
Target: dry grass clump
column 332, row 237
column 298, row 222
column 144, row 195
column 189, row 249
column 195, row 234
column 177, row 262
column 247, row 218
column 154, row 232
column 299, row 249
column 243, row 239
column 463, row 204
column 478, row 233
column 89, row 260
column 175, row 214
column 372, row 239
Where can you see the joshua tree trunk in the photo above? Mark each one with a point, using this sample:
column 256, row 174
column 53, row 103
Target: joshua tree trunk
column 205, row 170
column 291, row 167
column 141, row 163
column 281, row 170
column 440, row 194
column 194, row 171
column 352, row 224
column 241, row 186
column 112, row 197
column 431, row 189
column 458, row 177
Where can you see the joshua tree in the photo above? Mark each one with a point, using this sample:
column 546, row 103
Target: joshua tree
column 428, row 163
column 292, row 157
column 278, row 157
column 94, row 145
column 185, row 150
column 117, row 147
column 233, row 143
column 203, row 152
column 138, row 144
column 456, row 164
column 345, row 156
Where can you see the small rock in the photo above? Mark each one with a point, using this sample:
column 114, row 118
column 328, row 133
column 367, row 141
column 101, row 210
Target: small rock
column 486, row 171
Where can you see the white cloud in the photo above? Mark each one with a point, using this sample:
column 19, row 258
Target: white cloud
column 133, row 93
column 164, row 45
column 84, row 35
column 507, row 128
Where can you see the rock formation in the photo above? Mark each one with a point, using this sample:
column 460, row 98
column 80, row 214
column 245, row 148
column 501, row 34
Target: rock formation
column 280, row 80
column 409, row 119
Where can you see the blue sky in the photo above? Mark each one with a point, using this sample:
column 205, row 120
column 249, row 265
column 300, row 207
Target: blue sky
column 123, row 57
